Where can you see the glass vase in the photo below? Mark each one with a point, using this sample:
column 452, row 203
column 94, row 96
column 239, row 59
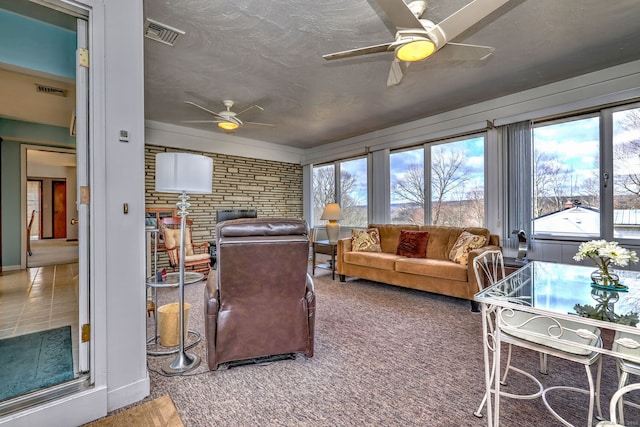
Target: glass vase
column 602, row 278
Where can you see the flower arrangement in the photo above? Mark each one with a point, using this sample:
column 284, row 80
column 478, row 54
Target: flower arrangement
column 603, row 254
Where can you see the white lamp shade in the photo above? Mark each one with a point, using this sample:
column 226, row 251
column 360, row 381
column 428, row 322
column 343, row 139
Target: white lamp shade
column 183, row 172
column 331, row 212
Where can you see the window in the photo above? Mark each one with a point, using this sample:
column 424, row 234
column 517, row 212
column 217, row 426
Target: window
column 456, row 193
column 350, row 191
column 353, row 192
column 324, row 189
column 626, row 173
column 566, row 186
column 34, row 195
column 407, row 186
column 457, row 183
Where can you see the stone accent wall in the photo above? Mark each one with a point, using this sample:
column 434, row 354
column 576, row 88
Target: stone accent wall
column 273, row 188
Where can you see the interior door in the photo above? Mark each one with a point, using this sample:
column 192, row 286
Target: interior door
column 83, row 200
column 59, row 209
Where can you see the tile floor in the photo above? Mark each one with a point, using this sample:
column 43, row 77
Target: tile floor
column 40, row 298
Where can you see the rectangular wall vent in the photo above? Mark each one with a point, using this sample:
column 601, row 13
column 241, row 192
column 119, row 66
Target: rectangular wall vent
column 50, row 90
column 160, row 32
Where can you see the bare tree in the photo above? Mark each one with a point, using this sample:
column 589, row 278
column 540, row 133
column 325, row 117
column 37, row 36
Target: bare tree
column 324, row 192
column 448, row 173
column 410, row 188
column 354, row 208
column 629, row 150
column 552, row 185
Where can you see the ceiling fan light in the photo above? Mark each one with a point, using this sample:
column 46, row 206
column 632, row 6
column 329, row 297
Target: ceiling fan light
column 228, row 125
column 415, row 50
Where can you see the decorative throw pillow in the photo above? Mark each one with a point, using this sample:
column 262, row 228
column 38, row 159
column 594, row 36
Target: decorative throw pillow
column 365, row 240
column 413, row 244
column 465, row 244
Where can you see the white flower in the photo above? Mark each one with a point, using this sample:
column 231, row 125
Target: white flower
column 603, row 253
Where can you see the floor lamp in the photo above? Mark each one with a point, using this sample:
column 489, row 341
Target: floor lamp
column 183, row 173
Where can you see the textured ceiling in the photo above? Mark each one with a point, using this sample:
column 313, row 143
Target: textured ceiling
column 270, row 53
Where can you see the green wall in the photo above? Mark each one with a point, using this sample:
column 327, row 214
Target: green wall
column 20, row 132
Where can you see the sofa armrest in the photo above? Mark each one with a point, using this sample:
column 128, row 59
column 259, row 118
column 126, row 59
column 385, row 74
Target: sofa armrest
column 344, row 246
column 472, row 254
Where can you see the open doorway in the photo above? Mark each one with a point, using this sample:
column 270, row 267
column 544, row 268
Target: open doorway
column 46, row 166
column 53, row 235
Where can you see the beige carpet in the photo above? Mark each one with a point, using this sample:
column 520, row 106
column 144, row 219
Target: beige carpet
column 160, row 412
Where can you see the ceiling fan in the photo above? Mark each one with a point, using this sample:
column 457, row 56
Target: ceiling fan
column 227, row 119
column 418, row 39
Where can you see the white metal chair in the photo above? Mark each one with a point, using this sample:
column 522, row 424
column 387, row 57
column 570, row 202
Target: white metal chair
column 625, row 367
column 616, row 400
column 537, row 333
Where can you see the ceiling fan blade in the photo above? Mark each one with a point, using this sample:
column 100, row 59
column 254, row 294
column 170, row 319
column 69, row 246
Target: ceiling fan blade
column 360, row 51
column 205, row 109
column 399, row 14
column 259, row 124
column 465, row 18
column 249, row 108
column 465, row 52
column 396, row 72
column 200, row 121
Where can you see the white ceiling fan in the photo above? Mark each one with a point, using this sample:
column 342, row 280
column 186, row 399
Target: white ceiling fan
column 227, row 119
column 418, row 39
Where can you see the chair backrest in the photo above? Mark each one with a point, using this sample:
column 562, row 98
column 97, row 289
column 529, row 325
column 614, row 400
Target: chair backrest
column 33, row 213
column 488, row 268
column 614, row 403
column 170, row 231
column 261, row 281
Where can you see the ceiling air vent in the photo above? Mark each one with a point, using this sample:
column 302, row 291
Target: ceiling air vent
column 50, row 90
column 160, row 32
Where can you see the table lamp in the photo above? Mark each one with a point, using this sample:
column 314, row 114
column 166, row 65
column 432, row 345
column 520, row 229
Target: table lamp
column 183, row 173
column 332, row 213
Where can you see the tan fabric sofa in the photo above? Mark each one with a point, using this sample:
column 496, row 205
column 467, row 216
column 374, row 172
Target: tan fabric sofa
column 435, row 273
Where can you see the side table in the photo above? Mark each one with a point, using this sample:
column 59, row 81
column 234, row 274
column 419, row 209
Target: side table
column 512, row 265
column 170, row 281
column 327, row 248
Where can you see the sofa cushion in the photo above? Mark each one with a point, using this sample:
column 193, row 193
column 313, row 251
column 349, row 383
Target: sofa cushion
column 365, row 240
column 465, row 244
column 480, row 231
column 413, row 244
column 379, row 260
column 443, row 269
column 441, row 240
column 390, row 234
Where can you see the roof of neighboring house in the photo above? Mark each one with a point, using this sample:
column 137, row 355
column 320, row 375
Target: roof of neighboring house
column 586, row 220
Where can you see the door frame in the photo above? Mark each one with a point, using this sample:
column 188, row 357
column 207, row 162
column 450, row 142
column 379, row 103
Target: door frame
column 23, row 189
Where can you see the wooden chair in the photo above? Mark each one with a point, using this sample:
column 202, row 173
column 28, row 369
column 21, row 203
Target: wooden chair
column 33, row 213
column 197, row 256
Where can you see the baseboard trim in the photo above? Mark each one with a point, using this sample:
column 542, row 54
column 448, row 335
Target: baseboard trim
column 128, row 394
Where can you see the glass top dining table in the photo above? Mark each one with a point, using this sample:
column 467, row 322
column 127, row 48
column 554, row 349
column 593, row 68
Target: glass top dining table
column 562, row 291
column 566, row 291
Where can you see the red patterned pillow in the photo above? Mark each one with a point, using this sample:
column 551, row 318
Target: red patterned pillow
column 413, row 244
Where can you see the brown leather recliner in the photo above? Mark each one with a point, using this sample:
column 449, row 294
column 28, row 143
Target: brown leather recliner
column 261, row 302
